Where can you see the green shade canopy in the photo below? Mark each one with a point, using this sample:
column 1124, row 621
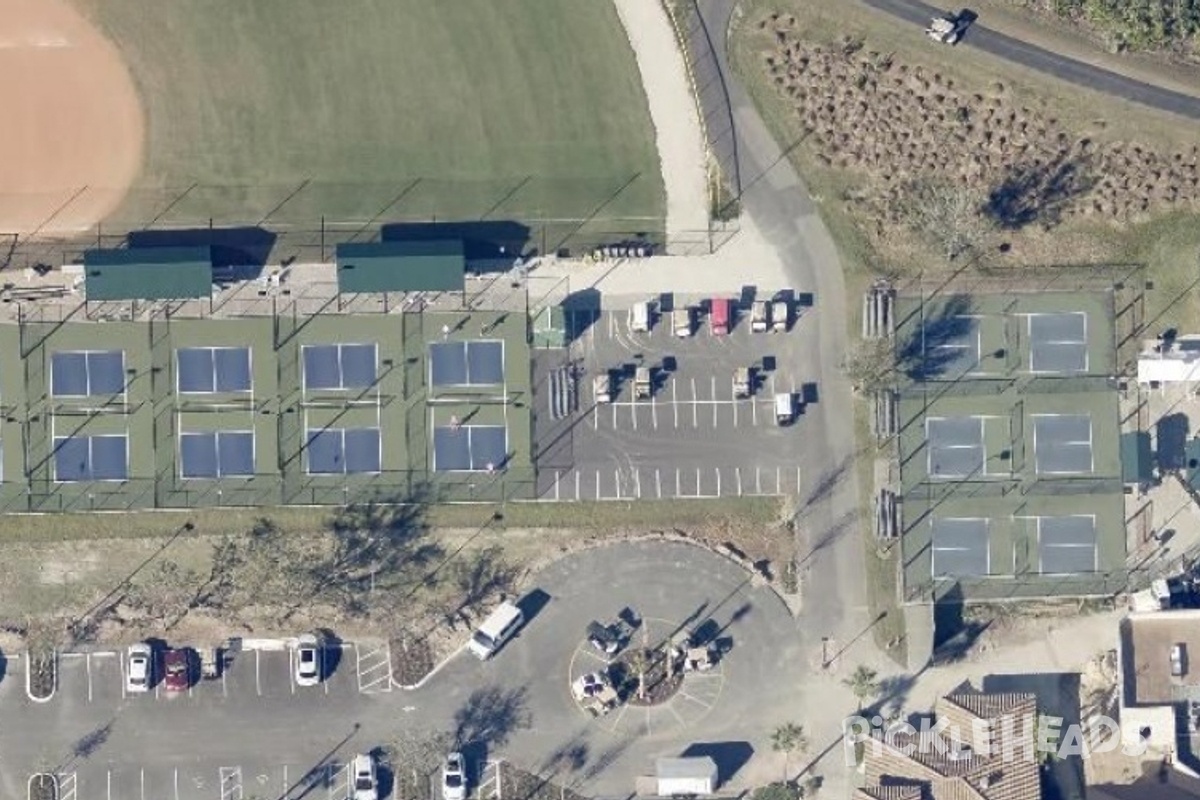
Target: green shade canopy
column 149, row 273
column 419, row 266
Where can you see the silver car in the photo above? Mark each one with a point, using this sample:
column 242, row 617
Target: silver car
column 454, row 778
column 139, row 668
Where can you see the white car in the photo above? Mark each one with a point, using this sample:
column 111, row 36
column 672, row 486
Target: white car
column 454, row 778
column 139, row 668
column 362, row 778
column 308, row 660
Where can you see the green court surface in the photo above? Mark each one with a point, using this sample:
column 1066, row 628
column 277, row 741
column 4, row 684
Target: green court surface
column 284, row 112
column 263, row 429
column 1009, row 445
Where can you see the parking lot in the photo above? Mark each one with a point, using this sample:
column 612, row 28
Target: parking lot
column 98, row 678
column 693, row 436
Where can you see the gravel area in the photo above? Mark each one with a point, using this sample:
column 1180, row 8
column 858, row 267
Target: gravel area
column 678, row 134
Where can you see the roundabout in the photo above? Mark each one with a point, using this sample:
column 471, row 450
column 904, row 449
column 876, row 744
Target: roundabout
column 686, row 601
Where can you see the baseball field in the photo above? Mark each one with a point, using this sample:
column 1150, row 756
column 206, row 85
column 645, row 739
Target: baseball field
column 281, row 112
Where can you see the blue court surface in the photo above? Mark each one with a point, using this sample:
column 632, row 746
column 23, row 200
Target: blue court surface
column 216, row 454
column 340, row 366
column 213, row 369
column 473, row 448
column 91, row 373
column 343, row 451
column 91, row 458
column 472, row 363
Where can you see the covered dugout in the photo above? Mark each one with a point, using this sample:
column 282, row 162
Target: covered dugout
column 421, row 266
column 148, row 273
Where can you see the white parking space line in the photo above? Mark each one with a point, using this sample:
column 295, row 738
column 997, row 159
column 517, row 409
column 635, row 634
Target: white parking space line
column 374, row 667
column 142, row 781
column 654, row 412
column 754, row 414
column 66, row 786
column 89, row 677
column 176, row 783
column 677, row 493
column 633, row 413
column 617, row 481
column 337, row 778
column 577, row 477
column 657, row 484
column 797, row 480
column 597, row 484
column 231, row 783
column 695, row 406
column 757, row 480
column 778, row 482
column 737, row 471
column 108, row 784
column 674, row 404
column 714, row 397
column 718, row 471
column 637, row 483
column 735, row 414
column 257, row 676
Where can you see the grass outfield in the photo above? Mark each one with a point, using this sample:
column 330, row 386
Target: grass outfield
column 284, row 111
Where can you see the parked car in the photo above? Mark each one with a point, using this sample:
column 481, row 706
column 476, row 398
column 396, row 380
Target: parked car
column 139, row 668
column 604, row 638
column 454, row 778
column 362, row 775
column 308, row 660
column 177, row 671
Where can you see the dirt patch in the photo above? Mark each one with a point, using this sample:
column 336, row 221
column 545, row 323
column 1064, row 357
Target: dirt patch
column 73, row 135
column 661, row 683
column 527, row 786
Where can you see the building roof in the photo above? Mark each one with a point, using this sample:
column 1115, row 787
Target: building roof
column 687, row 767
column 997, row 768
column 148, row 273
column 416, row 266
column 1147, row 639
column 1176, row 361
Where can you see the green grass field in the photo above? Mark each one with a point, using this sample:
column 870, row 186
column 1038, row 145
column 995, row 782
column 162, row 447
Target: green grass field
column 284, row 111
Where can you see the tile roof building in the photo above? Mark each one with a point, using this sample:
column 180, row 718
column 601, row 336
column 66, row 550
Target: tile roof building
column 991, row 758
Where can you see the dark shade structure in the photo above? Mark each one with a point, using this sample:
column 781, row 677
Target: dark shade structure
column 151, row 273
column 430, row 266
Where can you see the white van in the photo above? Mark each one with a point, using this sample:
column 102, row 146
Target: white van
column 639, row 318
column 784, row 408
column 497, row 629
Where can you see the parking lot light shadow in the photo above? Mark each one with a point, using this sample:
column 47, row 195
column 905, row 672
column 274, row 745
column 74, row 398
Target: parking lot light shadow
column 319, row 774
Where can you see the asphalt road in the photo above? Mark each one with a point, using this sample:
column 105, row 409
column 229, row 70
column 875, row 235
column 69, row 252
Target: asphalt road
column 1037, row 58
column 773, row 194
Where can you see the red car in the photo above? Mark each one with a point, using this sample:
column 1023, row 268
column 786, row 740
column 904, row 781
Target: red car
column 177, row 674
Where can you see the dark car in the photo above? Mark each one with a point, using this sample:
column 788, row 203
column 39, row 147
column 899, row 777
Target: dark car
column 177, row 675
column 608, row 639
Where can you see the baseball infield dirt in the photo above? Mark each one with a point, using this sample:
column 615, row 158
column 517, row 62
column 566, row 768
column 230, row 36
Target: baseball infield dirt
column 71, row 142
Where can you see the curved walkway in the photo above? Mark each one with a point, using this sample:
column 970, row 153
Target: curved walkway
column 1051, row 63
column 678, row 134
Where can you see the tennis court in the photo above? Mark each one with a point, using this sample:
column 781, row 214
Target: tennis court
column 952, row 346
column 343, row 451
column 961, row 546
column 213, row 370
column 469, row 363
column 337, row 367
column 1062, row 444
column 91, row 458
column 216, row 454
column 956, row 446
column 87, row 373
column 470, row 448
column 1066, row 544
column 1058, row 342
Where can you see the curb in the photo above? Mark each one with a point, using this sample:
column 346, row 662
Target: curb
column 431, row 673
column 29, row 686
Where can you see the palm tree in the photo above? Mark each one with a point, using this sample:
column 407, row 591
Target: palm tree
column 640, row 661
column 863, row 683
column 786, row 739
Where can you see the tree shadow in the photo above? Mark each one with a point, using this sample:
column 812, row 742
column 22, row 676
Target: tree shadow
column 1037, row 192
column 937, row 346
column 953, row 634
column 490, row 716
